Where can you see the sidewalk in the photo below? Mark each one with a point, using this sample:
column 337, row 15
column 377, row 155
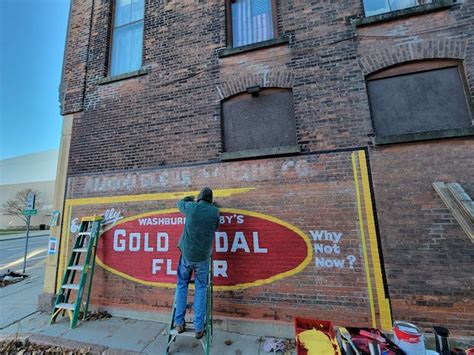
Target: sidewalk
column 20, row 299
column 124, row 336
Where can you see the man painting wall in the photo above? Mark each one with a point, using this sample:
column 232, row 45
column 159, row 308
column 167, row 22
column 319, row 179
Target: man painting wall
column 202, row 220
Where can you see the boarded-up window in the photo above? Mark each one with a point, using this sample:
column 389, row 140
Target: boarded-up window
column 418, row 101
column 259, row 122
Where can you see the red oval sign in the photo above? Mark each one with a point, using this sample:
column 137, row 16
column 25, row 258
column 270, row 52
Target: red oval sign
column 250, row 249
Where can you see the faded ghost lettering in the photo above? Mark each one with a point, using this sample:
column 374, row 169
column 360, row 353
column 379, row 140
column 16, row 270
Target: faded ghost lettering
column 328, row 252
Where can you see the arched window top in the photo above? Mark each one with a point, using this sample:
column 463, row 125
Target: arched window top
column 413, row 67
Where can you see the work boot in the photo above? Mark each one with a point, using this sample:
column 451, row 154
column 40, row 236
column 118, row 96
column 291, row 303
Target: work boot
column 180, row 328
column 200, row 334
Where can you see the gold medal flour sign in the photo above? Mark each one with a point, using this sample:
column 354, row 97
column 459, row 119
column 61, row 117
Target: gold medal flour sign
column 250, row 249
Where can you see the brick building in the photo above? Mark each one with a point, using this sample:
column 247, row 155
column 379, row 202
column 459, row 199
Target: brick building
column 321, row 126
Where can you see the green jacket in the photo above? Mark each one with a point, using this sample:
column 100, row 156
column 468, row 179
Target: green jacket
column 202, row 220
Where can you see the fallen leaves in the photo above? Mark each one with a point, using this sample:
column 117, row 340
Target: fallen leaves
column 98, row 315
column 25, row 347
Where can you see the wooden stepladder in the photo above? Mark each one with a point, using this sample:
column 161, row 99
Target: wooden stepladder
column 206, row 340
column 81, row 264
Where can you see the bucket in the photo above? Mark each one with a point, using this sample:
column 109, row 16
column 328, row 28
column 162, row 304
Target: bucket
column 409, row 338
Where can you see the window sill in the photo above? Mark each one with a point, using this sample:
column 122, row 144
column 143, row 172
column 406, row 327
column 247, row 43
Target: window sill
column 253, row 153
column 424, row 136
column 132, row 74
column 226, row 52
column 411, row 11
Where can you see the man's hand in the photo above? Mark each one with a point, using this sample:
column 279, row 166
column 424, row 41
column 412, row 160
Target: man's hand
column 188, row 198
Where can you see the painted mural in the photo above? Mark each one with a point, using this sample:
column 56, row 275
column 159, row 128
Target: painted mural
column 243, row 238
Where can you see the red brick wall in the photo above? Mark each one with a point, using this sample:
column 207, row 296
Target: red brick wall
column 428, row 257
column 151, row 133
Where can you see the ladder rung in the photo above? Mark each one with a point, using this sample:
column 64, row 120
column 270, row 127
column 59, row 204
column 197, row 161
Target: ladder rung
column 84, row 233
column 70, row 286
column 70, row 306
column 80, row 250
column 189, row 332
column 76, row 267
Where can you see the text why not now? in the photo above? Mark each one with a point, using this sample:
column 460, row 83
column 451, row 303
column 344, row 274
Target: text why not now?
column 323, row 251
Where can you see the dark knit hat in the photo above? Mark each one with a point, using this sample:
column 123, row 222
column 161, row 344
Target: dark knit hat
column 205, row 195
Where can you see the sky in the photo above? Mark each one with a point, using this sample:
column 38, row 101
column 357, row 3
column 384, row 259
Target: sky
column 32, row 36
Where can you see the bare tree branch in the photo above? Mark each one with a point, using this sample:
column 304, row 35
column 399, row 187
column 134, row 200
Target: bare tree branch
column 15, row 205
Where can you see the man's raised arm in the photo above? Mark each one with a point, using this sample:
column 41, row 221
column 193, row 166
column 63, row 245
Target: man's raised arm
column 184, row 203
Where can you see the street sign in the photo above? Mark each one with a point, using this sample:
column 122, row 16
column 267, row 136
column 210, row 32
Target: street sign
column 30, row 201
column 31, row 212
column 28, row 211
column 54, row 218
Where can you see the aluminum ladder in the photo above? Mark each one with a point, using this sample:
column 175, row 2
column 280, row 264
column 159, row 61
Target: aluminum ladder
column 82, row 263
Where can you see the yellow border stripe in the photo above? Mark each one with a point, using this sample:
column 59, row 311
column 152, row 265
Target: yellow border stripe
column 384, row 305
column 241, row 286
column 362, row 237
column 64, row 244
column 158, row 196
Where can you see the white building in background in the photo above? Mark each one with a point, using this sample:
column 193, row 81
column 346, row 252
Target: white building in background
column 32, row 171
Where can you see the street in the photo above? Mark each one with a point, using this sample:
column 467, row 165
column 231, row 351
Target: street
column 12, row 252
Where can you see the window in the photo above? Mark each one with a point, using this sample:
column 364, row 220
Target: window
column 419, row 97
column 259, row 120
column 375, row 7
column 127, row 37
column 251, row 21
